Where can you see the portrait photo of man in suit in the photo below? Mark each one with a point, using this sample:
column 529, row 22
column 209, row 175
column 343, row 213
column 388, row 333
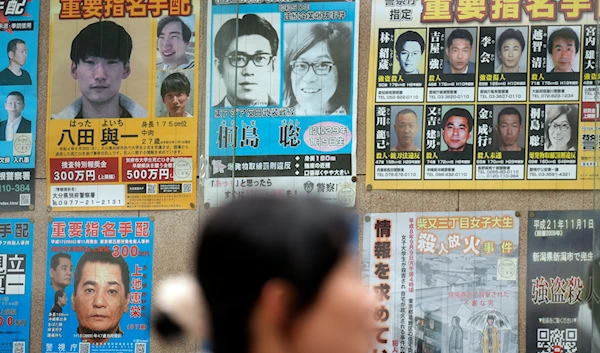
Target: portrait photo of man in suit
column 16, row 123
column 459, row 50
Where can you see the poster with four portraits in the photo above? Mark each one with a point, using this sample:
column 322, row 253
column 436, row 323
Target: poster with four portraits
column 19, row 27
column 281, row 99
column 98, row 289
column 482, row 95
column 122, row 114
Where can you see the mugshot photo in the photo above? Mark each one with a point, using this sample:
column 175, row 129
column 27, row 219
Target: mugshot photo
column 318, row 68
column 460, row 52
column 561, row 128
column 509, row 127
column 175, row 93
column 405, row 128
column 511, row 50
column 457, row 130
column 15, row 65
column 17, row 117
column 100, row 69
column 409, row 51
column 175, row 42
column 100, row 272
column 251, row 76
column 563, row 45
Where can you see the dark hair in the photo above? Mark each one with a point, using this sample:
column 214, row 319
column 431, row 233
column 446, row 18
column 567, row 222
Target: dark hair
column 186, row 32
column 491, row 317
column 565, row 33
column 510, row 34
column 409, row 36
column 103, row 258
column 247, row 25
column 459, row 34
column 338, row 37
column 104, row 39
column 12, row 45
column 20, row 95
column 556, row 112
column 55, row 260
column 295, row 240
column 175, row 82
column 58, row 294
column 458, row 112
column 510, row 111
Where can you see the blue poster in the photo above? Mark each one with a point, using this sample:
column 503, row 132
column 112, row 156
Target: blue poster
column 16, row 269
column 281, row 102
column 19, row 21
column 98, row 291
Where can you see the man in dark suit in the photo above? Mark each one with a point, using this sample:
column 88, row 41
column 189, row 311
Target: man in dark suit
column 16, row 123
column 459, row 47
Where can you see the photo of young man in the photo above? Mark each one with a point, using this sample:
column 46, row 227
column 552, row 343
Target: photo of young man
column 100, row 61
column 410, row 47
column 175, row 93
column 173, row 43
column 509, row 129
column 15, row 123
column 247, row 73
column 459, row 52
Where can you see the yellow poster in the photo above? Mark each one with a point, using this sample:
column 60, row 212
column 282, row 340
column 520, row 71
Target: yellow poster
column 483, row 94
column 122, row 119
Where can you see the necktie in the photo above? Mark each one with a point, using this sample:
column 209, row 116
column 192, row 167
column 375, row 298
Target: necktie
column 10, row 130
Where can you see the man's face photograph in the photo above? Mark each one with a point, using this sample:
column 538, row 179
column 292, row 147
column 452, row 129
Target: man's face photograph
column 456, row 133
column 171, row 45
column 509, row 129
column 410, row 56
column 175, row 103
column 563, row 53
column 99, row 79
column 406, row 128
column 14, row 106
column 252, row 81
column 99, row 300
column 63, row 274
column 459, row 54
column 19, row 56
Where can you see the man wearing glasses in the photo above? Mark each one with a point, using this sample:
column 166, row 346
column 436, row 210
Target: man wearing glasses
column 247, row 72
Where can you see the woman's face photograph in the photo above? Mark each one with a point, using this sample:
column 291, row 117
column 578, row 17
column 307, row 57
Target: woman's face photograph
column 560, row 133
column 313, row 91
column 510, row 53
